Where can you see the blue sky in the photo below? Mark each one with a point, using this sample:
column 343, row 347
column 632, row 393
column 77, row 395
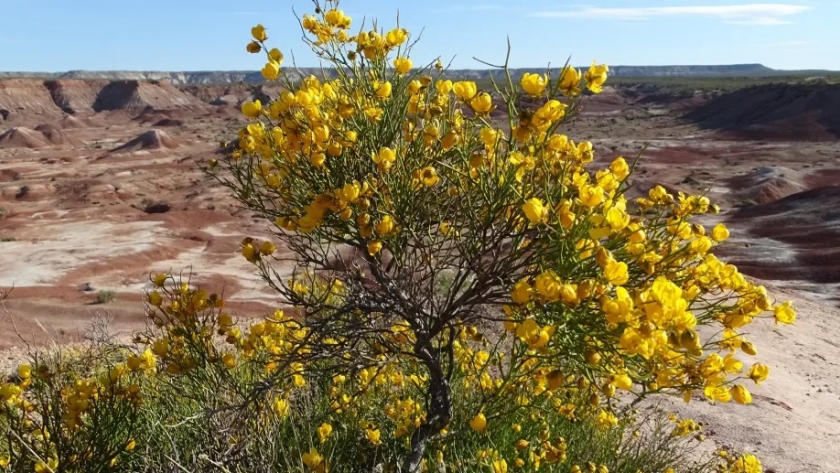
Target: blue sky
column 56, row 35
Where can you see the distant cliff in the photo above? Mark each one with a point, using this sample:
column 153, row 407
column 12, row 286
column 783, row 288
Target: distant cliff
column 232, row 77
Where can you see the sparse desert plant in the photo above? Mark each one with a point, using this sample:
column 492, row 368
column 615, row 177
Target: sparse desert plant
column 104, row 296
column 464, row 297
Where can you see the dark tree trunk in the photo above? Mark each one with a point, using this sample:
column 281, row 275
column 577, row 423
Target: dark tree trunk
column 439, row 412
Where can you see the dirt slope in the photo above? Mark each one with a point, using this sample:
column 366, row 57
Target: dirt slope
column 22, row 137
column 775, row 111
column 55, row 135
column 27, row 97
column 75, row 96
column 136, row 95
column 794, row 238
column 150, row 140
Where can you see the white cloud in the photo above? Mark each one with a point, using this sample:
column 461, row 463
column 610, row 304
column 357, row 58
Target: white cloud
column 754, row 14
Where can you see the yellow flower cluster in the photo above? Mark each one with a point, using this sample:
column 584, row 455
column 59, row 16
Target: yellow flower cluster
column 417, row 176
column 607, row 293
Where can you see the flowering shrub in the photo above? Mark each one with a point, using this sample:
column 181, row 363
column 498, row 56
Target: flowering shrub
column 463, row 287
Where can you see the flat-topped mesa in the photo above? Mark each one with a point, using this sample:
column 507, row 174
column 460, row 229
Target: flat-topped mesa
column 27, row 97
column 75, row 96
column 254, row 77
column 30, row 98
column 138, row 95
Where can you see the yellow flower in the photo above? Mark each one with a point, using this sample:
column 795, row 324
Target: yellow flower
column 717, row 393
column 741, row 394
column 465, row 90
column 160, row 347
column 350, row 192
column 450, row 139
column 548, row 285
column 720, row 232
column 258, row 32
column 385, row 159
column 590, row 196
column 374, row 247
column 252, row 109
column 373, row 436
column 281, row 407
column 324, row 432
column 154, row 298
column 312, row 459
column 385, row 226
column 271, row 70
column 534, row 210
column 429, row 176
column 276, row 56
column 253, row 47
column 383, row 90
column 479, row 422
column 250, row 253
column 229, row 360
column 620, row 168
column 606, row 419
column 24, row 371
column 9, row 391
column 482, row 103
column 159, row 279
column 616, row 272
column 131, row 445
column 595, row 77
column 622, row 381
column 337, row 18
column 49, row 467
column 444, row 87
column 749, row 348
column 267, row 248
column 533, row 84
column 500, row 466
column 522, row 291
column 746, row 463
column 759, row 372
column 530, row 332
column 402, row 65
column 569, row 83
column 784, row 313
column 397, row 36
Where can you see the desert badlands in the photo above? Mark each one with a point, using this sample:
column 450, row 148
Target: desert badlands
column 100, row 187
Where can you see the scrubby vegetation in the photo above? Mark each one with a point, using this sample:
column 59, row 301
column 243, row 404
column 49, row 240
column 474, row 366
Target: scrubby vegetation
column 464, row 297
column 104, row 296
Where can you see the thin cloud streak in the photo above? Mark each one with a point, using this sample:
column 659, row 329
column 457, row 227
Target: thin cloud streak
column 766, row 14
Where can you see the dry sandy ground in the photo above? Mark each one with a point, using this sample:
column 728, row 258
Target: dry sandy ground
column 793, row 423
column 79, row 217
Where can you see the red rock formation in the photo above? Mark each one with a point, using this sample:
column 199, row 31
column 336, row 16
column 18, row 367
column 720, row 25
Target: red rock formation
column 22, row 137
column 150, row 140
